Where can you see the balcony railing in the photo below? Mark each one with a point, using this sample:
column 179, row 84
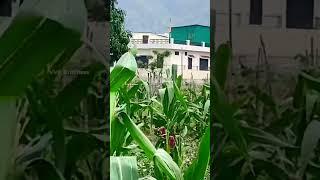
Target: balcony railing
column 151, row 41
column 185, row 67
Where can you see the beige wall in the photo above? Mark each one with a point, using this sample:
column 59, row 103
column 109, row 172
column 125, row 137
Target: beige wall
column 181, row 60
column 281, row 43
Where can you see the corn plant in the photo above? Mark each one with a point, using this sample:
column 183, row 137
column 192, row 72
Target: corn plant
column 285, row 146
column 131, row 100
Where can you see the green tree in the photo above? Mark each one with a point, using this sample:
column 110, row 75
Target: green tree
column 158, row 62
column 119, row 36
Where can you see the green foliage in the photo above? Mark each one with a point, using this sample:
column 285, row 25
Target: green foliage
column 119, row 37
column 159, row 59
column 284, row 146
column 123, row 168
column 199, row 166
column 221, row 64
column 134, row 109
column 44, row 123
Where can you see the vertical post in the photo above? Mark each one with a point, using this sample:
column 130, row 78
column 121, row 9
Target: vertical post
column 312, row 50
column 182, row 53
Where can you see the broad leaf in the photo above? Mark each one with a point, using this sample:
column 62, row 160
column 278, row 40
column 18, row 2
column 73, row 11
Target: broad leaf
column 310, row 140
column 166, row 165
column 199, row 166
column 123, row 168
column 224, row 112
column 124, row 71
column 221, row 64
column 23, row 63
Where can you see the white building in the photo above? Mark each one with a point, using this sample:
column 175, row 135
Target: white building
column 287, row 27
column 193, row 62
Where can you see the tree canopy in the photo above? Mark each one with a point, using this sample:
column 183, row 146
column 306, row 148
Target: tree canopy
column 120, row 37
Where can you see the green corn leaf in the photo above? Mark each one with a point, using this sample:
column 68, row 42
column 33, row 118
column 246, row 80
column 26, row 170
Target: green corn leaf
column 199, row 166
column 224, row 112
column 261, row 136
column 179, row 81
column 309, row 142
column 34, row 149
column 123, row 72
column 305, row 82
column 166, row 164
column 206, row 107
column 137, row 135
column 221, row 66
column 117, row 135
column 146, row 87
column 123, row 168
column 161, row 94
column 266, row 99
column 179, row 95
column 20, row 64
column 311, row 99
column 113, row 101
column 275, row 171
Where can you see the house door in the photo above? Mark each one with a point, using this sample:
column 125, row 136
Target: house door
column 189, row 63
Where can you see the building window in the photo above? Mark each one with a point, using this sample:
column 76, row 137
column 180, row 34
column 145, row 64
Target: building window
column 186, row 53
column 204, row 64
column 300, row 14
column 5, row 8
column 142, row 61
column 189, row 63
column 256, row 12
column 145, row 39
column 176, row 53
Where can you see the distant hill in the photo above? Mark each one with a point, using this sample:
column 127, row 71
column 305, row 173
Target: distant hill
column 154, row 15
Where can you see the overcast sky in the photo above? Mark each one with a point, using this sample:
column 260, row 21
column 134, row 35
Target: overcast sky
column 154, row 15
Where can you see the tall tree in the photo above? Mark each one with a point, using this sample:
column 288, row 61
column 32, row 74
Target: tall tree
column 120, row 37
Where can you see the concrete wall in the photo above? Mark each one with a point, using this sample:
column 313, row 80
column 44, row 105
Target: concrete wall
column 98, row 30
column 151, row 36
column 282, row 44
column 273, row 29
column 181, row 60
